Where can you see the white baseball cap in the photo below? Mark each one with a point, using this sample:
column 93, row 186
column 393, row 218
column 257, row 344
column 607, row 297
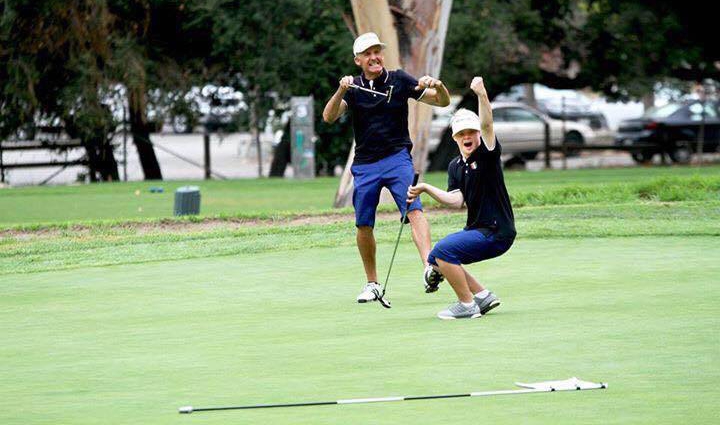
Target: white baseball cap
column 464, row 119
column 364, row 41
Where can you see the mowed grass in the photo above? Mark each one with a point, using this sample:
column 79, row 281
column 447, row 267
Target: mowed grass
column 131, row 343
column 32, row 206
column 613, row 278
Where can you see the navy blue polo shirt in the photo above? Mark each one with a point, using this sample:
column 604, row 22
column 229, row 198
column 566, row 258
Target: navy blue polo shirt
column 480, row 179
column 380, row 122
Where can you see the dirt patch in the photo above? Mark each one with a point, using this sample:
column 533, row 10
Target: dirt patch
column 199, row 226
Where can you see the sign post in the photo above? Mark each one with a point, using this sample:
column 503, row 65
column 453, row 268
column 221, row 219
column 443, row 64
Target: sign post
column 302, row 137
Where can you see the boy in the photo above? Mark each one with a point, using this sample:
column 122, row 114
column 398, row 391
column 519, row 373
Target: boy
column 475, row 178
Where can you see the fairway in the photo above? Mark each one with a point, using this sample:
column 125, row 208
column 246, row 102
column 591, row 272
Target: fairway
column 612, row 278
column 132, row 343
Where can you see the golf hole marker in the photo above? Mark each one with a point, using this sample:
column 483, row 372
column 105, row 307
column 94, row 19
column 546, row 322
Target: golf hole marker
column 571, row 384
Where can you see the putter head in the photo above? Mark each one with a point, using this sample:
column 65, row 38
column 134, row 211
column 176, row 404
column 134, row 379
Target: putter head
column 381, row 297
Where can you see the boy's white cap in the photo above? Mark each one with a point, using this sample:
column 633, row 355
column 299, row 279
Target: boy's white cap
column 464, row 119
column 366, row 40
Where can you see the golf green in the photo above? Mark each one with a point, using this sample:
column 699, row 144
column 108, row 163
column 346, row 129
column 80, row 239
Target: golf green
column 130, row 343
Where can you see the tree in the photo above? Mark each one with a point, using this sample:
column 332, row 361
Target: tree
column 157, row 44
column 54, row 54
column 271, row 56
column 62, row 56
column 617, row 47
column 256, row 51
column 630, row 45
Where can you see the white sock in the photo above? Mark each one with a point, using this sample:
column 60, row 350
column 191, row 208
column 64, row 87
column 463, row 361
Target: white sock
column 482, row 294
column 468, row 305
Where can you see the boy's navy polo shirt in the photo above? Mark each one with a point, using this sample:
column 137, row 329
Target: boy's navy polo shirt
column 380, row 123
column 480, row 179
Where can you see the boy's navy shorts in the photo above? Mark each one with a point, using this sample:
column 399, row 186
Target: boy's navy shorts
column 468, row 246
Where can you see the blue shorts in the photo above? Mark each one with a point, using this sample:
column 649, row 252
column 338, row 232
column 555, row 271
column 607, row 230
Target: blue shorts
column 394, row 172
column 468, row 246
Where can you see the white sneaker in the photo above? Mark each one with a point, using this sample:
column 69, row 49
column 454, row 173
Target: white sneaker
column 368, row 292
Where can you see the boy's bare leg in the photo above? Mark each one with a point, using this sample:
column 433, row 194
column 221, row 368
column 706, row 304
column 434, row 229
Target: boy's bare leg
column 473, row 284
column 455, row 275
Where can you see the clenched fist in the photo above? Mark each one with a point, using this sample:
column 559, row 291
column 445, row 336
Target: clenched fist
column 428, row 81
column 478, row 86
column 345, row 82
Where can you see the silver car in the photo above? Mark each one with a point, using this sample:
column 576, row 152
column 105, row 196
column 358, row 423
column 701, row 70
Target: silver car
column 521, row 130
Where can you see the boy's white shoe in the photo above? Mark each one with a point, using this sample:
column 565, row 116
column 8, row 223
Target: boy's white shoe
column 459, row 311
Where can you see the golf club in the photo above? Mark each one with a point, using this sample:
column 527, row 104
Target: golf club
column 368, row 90
column 381, row 297
column 571, row 384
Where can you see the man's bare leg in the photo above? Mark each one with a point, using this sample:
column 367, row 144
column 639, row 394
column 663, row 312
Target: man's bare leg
column 366, row 245
column 455, row 275
column 420, row 233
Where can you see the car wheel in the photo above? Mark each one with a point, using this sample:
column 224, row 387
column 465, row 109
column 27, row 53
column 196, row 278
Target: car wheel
column 515, row 163
column 682, row 154
column 574, row 142
column 643, row 157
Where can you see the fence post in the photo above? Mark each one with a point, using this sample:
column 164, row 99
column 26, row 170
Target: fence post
column 206, row 149
column 2, row 167
column 547, row 145
column 701, row 133
column 125, row 129
column 564, row 138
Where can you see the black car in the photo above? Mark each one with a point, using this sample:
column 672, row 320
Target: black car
column 675, row 129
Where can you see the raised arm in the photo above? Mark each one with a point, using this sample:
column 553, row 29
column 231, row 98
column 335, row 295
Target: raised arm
column 336, row 106
column 452, row 199
column 436, row 94
column 484, row 112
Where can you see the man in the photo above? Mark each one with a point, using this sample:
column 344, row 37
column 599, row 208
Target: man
column 475, row 178
column 382, row 147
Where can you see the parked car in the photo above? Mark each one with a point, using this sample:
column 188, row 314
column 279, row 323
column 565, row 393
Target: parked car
column 600, row 134
column 566, row 105
column 674, row 129
column 521, row 130
column 440, row 121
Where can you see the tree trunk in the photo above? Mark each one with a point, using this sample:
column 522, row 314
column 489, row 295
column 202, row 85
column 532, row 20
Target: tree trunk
column 92, row 160
column 529, row 89
column 141, row 134
column 343, row 197
column 101, row 158
column 648, row 100
column 255, row 131
column 109, row 170
column 414, row 32
column 281, row 154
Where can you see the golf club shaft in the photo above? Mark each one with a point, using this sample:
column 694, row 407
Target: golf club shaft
column 190, row 409
column 416, row 177
column 368, row 90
